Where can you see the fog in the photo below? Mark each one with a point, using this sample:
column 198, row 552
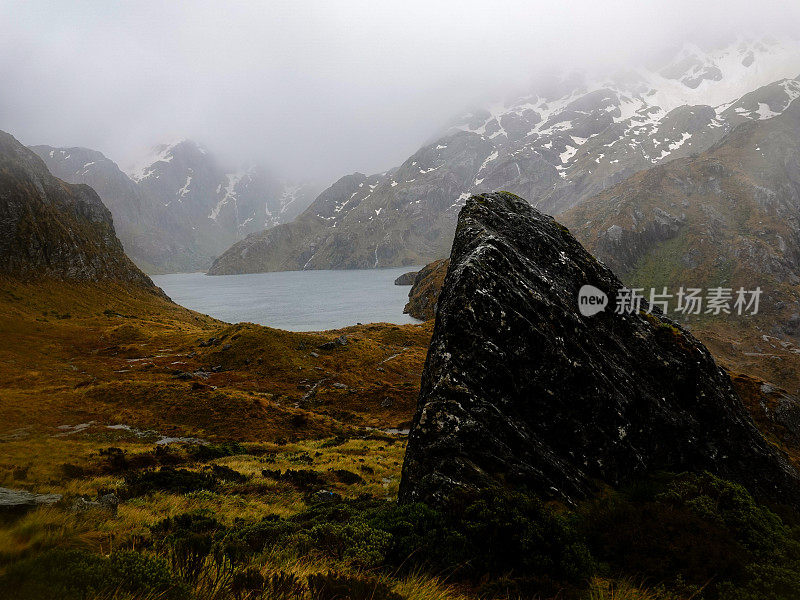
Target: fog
column 315, row 89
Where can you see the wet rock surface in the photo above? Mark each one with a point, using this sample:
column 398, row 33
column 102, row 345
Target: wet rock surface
column 522, row 391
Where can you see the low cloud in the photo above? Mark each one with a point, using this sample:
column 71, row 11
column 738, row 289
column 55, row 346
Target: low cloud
column 316, row 89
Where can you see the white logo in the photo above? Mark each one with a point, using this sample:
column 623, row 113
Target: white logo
column 591, row 300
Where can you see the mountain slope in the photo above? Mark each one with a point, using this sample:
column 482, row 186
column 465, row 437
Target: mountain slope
column 730, row 216
column 49, row 228
column 571, row 139
column 180, row 208
column 365, row 222
column 151, row 235
column 219, row 205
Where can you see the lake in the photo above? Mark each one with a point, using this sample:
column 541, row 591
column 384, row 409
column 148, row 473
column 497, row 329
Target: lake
column 294, row 300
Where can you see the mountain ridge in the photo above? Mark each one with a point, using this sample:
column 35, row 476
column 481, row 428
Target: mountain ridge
column 180, row 207
column 53, row 229
column 557, row 148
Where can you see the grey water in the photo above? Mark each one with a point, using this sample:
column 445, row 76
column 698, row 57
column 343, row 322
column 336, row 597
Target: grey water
column 294, row 300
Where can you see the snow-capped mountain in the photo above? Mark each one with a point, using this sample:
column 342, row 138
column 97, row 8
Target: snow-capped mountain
column 178, row 207
column 570, row 138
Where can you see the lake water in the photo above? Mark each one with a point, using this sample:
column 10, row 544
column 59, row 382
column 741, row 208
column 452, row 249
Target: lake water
column 294, row 300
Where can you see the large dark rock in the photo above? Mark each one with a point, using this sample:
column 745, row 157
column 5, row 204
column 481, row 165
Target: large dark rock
column 520, row 390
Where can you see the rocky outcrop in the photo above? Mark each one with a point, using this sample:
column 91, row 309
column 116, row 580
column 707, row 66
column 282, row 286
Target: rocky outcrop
column 406, row 278
column 425, row 292
column 521, row 390
column 16, row 502
column 49, row 228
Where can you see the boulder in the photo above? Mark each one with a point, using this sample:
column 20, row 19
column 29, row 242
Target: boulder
column 523, row 391
column 17, row 502
column 333, row 344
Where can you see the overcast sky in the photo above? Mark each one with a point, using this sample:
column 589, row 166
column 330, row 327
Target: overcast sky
column 316, row 89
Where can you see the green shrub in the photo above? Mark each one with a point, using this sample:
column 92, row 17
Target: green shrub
column 188, row 540
column 167, row 479
column 247, row 583
column 284, row 586
column 494, row 535
column 334, row 586
column 731, row 506
column 512, row 533
column 347, row 477
column 262, row 535
column 77, row 574
column 141, row 573
column 227, row 474
column 303, row 479
column 207, row 452
column 700, row 531
column 355, row 541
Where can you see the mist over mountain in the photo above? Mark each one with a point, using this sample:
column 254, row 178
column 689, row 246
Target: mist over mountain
column 563, row 141
column 320, row 89
column 179, row 207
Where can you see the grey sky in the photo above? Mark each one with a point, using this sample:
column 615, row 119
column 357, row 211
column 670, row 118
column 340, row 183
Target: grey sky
column 316, row 89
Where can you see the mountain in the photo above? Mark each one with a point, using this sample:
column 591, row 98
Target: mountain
column 52, row 229
column 729, row 217
column 523, row 390
column 152, row 236
column 570, row 139
column 221, row 205
column 179, row 208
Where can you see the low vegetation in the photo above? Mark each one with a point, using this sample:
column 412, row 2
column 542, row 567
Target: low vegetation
column 238, row 471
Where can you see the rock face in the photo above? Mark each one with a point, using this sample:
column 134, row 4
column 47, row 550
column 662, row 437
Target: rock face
column 49, row 228
column 565, row 141
column 520, row 390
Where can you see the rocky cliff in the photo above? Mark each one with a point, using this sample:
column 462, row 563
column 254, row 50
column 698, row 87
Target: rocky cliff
column 49, row 228
column 521, row 390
